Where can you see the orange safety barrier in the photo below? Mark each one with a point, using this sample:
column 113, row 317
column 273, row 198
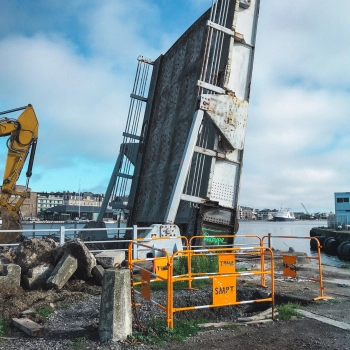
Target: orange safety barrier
column 218, row 240
column 160, row 270
column 224, row 285
column 290, row 269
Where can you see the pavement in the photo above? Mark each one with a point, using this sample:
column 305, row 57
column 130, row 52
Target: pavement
column 335, row 310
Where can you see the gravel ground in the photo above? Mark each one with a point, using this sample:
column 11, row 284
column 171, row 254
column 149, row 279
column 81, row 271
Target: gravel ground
column 76, row 326
column 74, row 323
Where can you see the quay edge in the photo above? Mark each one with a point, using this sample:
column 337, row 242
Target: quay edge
column 340, row 235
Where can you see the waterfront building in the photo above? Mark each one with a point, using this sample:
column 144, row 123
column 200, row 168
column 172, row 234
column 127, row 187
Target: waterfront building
column 342, row 210
column 29, row 205
column 246, row 213
column 46, row 200
column 266, row 214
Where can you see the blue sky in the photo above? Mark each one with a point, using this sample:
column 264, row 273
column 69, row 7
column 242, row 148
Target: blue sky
column 75, row 62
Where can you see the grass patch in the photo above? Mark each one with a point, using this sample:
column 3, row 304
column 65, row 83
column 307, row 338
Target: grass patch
column 45, row 312
column 157, row 332
column 205, row 263
column 4, row 328
column 346, row 266
column 80, row 343
column 162, row 285
column 286, row 311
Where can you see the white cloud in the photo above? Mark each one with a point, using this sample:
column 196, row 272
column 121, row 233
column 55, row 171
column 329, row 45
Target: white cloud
column 81, row 98
column 77, row 69
column 297, row 135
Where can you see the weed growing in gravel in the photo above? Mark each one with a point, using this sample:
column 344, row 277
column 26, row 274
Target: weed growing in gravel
column 345, row 266
column 199, row 264
column 45, row 312
column 4, row 328
column 286, row 311
column 157, row 332
column 80, row 343
column 326, row 301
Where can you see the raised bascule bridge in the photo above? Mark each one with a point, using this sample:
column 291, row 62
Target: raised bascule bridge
column 181, row 157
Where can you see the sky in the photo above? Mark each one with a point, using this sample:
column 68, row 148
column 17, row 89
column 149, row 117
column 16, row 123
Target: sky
column 75, row 62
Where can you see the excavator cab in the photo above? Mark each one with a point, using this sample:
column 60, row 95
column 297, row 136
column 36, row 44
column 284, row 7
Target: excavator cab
column 23, row 135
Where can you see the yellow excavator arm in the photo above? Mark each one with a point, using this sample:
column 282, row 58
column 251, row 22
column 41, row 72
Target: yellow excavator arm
column 23, row 133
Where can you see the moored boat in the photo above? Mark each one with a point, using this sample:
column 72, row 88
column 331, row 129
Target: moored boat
column 285, row 214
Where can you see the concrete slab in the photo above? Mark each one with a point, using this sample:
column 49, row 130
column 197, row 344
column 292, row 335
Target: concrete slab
column 110, row 259
column 324, row 319
column 37, row 276
column 28, row 326
column 77, row 248
column 11, row 278
column 341, row 281
column 62, row 272
column 98, row 272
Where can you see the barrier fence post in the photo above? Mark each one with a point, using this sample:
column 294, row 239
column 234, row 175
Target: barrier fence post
column 135, row 246
column 62, row 235
column 269, row 240
column 320, row 279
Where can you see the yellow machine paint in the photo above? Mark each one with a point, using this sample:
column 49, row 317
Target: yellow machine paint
column 23, row 133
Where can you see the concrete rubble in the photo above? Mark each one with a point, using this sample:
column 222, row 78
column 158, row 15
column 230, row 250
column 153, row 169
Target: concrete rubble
column 77, row 248
column 33, row 252
column 41, row 263
column 63, row 271
column 11, row 277
column 37, row 276
column 98, row 272
column 110, row 259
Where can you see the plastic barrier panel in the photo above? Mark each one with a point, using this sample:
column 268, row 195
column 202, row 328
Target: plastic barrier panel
column 145, row 284
column 161, row 267
column 224, row 290
column 227, row 263
column 289, row 265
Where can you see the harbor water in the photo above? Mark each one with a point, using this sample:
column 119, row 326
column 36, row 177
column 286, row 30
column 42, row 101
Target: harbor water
column 295, row 228
column 258, row 228
column 32, row 228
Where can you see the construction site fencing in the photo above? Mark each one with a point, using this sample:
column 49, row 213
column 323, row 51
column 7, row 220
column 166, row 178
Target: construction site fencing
column 223, row 281
column 290, row 263
column 209, row 241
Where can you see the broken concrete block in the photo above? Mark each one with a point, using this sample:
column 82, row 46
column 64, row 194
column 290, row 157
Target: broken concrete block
column 115, row 313
column 86, row 260
column 110, row 259
column 62, row 272
column 28, row 326
column 37, row 276
column 11, row 277
column 34, row 251
column 3, row 261
column 98, row 271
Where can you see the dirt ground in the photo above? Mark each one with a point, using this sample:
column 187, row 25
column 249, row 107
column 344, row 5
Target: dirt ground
column 71, row 323
column 296, row 334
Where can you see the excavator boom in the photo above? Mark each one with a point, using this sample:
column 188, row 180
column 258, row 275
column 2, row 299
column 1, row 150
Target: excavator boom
column 23, row 133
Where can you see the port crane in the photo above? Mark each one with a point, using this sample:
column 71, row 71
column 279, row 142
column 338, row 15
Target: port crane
column 305, row 209
column 311, row 216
